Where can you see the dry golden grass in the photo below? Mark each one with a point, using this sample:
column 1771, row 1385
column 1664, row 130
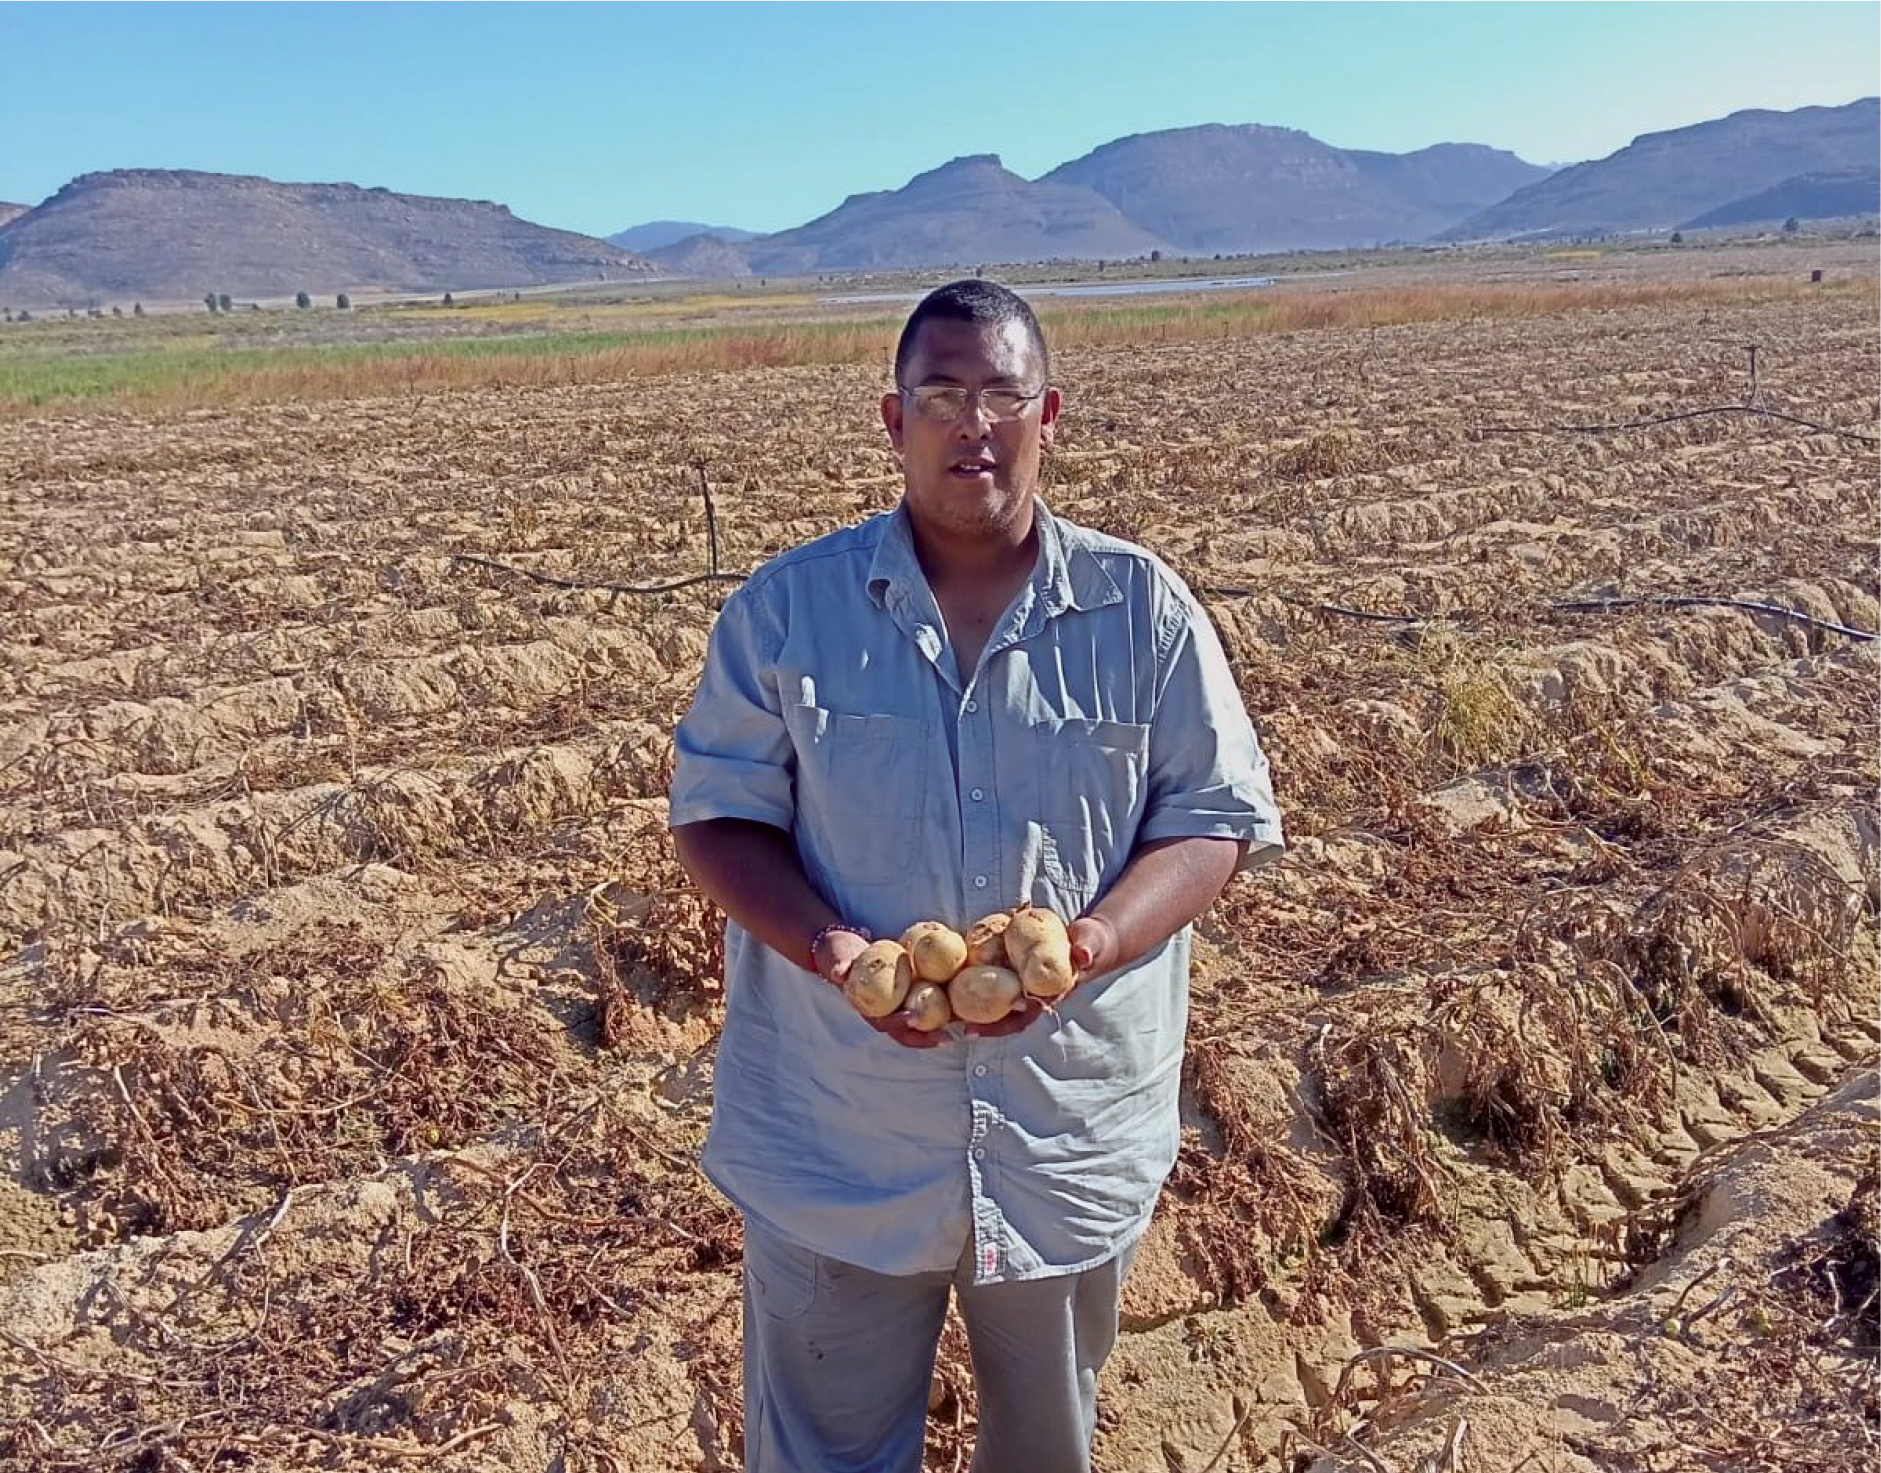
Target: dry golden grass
column 1296, row 309
column 609, row 345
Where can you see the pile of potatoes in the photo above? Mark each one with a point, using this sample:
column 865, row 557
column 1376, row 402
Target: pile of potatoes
column 936, row 974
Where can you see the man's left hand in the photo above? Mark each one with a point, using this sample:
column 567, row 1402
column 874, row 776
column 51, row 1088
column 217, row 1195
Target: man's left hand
column 1093, row 952
column 1094, row 948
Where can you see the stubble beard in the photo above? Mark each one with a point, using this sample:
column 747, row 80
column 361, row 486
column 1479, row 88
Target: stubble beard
column 992, row 517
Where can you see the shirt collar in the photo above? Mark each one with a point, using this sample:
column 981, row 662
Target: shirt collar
column 1068, row 575
column 894, row 570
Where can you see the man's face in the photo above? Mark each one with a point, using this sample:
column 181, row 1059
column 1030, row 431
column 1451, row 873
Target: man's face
column 972, row 475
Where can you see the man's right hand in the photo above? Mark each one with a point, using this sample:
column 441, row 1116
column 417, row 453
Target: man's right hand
column 834, row 954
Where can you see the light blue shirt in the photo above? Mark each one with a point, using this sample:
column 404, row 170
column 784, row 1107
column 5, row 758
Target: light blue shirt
column 1102, row 715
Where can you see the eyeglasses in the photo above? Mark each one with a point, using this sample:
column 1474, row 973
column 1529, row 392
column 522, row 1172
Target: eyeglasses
column 945, row 403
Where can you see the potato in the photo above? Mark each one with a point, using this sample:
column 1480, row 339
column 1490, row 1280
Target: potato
column 983, row 994
column 937, row 951
column 927, row 1007
column 986, row 940
column 879, row 979
column 1041, row 953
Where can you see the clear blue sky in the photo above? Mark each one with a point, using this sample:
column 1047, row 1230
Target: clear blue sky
column 596, row 117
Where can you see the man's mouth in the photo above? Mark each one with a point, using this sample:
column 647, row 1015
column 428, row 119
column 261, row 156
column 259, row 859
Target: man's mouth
column 971, row 466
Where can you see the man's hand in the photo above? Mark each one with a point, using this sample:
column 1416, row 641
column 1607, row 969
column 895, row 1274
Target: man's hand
column 1093, row 952
column 835, row 953
column 1094, row 948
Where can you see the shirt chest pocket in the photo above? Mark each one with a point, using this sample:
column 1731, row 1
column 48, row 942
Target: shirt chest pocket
column 1088, row 791
column 859, row 787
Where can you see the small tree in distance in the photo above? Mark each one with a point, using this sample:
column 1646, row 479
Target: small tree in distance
column 302, row 301
column 209, row 300
column 222, row 301
column 1792, row 225
column 343, row 302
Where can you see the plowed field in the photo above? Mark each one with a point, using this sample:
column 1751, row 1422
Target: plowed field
column 356, row 1025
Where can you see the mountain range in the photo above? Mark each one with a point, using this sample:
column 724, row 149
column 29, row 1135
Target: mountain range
column 1254, row 188
column 1203, row 190
column 1675, row 178
column 169, row 234
column 972, row 209
column 156, row 234
column 1800, row 197
column 656, row 233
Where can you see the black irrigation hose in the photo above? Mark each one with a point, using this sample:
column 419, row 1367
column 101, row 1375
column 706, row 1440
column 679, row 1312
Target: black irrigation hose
column 1576, row 606
column 1340, row 609
column 1666, row 419
column 554, row 582
column 1580, row 606
column 1696, row 601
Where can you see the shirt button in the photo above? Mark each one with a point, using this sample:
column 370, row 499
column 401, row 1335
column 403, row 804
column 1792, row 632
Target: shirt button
column 979, row 1153
column 973, row 706
column 978, row 794
column 979, row 882
column 979, row 1068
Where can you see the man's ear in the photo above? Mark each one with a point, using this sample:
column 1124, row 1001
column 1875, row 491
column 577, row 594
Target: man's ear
column 1048, row 417
column 891, row 419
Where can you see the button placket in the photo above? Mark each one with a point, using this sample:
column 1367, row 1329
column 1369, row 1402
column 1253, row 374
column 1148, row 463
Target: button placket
column 979, row 825
column 987, row 1223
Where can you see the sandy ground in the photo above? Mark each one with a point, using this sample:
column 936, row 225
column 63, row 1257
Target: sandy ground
column 356, row 1027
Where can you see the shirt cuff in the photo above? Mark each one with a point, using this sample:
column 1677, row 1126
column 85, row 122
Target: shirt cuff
column 702, row 809
column 1264, row 839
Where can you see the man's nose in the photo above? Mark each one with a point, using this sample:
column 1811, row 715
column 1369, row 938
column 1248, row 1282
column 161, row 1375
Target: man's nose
column 975, row 420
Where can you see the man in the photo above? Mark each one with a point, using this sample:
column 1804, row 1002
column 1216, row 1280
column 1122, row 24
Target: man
column 951, row 708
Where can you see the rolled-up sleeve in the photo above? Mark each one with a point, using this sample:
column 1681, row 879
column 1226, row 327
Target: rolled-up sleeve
column 735, row 758
column 1208, row 776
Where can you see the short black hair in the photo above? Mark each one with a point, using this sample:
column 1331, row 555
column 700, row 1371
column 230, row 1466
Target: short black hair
column 971, row 300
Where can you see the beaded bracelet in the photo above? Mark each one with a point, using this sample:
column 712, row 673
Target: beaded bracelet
column 817, row 940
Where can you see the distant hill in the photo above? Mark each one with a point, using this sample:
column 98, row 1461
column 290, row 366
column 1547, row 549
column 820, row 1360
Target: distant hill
column 1250, row 187
column 1447, row 181
column 703, row 255
column 156, row 234
column 973, row 209
column 1661, row 180
column 11, row 212
column 656, row 233
column 1806, row 197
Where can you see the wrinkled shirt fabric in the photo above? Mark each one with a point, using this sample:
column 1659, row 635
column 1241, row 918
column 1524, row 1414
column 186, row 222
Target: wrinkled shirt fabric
column 1102, row 715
